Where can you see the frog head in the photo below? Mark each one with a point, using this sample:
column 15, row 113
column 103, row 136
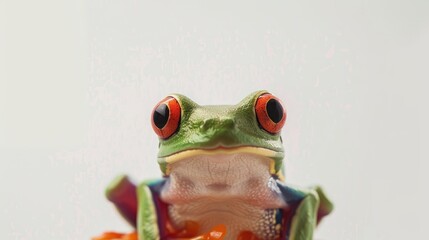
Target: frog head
column 252, row 126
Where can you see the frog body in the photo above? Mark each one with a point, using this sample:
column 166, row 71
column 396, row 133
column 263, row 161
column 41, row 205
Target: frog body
column 222, row 165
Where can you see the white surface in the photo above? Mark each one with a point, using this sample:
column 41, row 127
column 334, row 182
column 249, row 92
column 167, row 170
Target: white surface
column 78, row 81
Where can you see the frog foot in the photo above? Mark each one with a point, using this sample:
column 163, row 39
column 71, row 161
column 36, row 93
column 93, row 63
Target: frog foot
column 219, row 233
column 116, row 236
column 216, row 233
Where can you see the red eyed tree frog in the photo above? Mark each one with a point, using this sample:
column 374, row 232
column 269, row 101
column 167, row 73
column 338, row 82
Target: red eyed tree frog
column 223, row 177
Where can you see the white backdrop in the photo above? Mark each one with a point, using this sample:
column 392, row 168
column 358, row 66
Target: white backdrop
column 79, row 79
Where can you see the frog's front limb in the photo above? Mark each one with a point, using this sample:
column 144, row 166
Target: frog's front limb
column 325, row 206
column 311, row 206
column 122, row 193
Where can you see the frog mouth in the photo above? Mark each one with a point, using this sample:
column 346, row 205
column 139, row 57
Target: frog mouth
column 221, row 150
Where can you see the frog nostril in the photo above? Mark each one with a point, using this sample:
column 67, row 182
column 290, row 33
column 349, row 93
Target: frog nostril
column 217, row 123
column 228, row 123
column 208, row 123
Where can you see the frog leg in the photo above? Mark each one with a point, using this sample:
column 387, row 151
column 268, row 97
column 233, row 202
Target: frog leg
column 309, row 212
column 325, row 206
column 149, row 206
column 122, row 193
column 308, row 207
column 304, row 220
column 141, row 201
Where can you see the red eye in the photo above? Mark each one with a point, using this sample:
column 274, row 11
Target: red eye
column 270, row 113
column 166, row 117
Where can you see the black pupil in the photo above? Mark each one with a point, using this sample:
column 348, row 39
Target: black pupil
column 160, row 116
column 274, row 110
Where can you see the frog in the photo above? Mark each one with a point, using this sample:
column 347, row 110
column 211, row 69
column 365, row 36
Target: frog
column 223, row 176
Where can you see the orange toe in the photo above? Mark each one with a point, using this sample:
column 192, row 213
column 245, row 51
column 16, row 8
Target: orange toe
column 109, row 236
column 131, row 236
column 116, row 236
column 217, row 233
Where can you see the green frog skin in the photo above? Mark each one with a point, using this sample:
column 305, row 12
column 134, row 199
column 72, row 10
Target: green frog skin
column 221, row 165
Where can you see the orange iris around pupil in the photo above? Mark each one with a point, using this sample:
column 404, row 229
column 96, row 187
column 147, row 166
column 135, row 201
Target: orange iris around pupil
column 270, row 113
column 166, row 117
